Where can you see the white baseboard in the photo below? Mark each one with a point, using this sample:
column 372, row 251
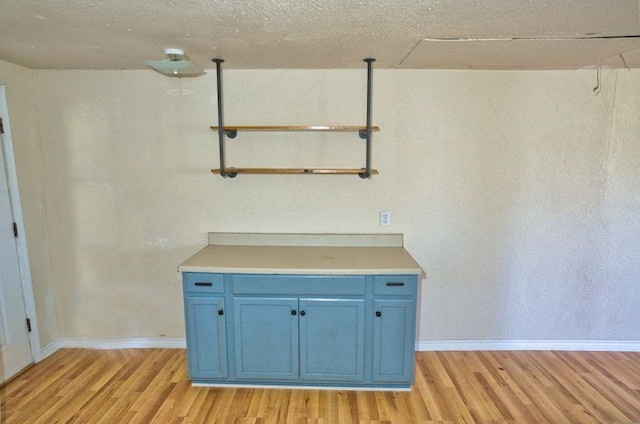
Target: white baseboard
column 575, row 345
column 133, row 343
column 423, row 345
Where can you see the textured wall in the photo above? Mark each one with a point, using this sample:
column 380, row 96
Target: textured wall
column 517, row 192
column 26, row 147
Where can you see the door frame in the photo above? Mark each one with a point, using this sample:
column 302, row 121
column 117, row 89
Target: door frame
column 21, row 241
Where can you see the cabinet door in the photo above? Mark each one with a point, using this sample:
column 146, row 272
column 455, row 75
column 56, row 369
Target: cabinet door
column 332, row 339
column 266, row 338
column 393, row 340
column 206, row 338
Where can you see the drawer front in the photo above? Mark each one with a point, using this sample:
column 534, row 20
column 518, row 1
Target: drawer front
column 298, row 284
column 394, row 285
column 203, row 282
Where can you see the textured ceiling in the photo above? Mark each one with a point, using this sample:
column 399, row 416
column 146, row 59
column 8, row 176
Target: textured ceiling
column 121, row 34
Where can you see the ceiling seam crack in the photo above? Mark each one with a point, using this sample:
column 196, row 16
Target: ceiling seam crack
column 410, row 51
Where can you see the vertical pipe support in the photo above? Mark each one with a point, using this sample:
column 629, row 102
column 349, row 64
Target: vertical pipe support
column 367, row 172
column 221, row 133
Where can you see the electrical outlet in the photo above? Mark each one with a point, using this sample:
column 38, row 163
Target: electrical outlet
column 385, row 218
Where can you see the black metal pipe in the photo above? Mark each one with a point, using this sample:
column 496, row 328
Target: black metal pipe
column 367, row 172
column 223, row 168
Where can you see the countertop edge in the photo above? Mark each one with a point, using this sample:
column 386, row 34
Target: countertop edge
column 299, row 271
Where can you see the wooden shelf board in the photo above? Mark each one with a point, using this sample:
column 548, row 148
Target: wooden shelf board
column 324, row 171
column 341, row 128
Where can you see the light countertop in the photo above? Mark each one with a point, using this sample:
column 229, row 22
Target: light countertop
column 256, row 258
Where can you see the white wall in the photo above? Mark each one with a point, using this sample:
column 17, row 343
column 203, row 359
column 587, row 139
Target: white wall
column 26, row 146
column 518, row 192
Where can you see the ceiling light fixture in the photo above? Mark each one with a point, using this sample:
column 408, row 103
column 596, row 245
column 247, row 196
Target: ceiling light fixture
column 175, row 64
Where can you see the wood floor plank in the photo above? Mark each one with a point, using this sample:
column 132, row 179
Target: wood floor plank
column 450, row 400
column 151, row 386
column 425, row 386
column 624, row 369
column 593, row 399
column 456, row 365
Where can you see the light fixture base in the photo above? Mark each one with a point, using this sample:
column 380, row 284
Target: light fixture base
column 175, row 64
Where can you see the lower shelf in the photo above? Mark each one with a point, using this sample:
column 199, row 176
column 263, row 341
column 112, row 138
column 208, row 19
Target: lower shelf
column 325, row 171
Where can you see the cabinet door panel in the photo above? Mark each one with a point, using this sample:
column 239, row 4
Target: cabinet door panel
column 393, row 340
column 206, row 338
column 266, row 338
column 332, row 339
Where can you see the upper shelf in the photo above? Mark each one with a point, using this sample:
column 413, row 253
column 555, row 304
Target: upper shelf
column 232, row 131
column 336, row 128
column 309, row 171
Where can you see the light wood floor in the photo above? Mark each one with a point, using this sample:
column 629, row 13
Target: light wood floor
column 151, row 385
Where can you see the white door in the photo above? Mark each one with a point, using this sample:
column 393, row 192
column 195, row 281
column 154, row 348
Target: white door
column 15, row 350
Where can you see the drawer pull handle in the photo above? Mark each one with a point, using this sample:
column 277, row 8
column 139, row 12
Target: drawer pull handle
column 293, row 312
column 395, row 284
column 220, row 311
column 302, row 313
column 201, row 284
column 378, row 314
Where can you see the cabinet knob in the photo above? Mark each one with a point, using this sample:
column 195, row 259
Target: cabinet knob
column 220, row 312
column 293, row 312
column 378, row 313
column 302, row 313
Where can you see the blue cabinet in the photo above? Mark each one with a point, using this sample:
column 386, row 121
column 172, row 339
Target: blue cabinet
column 394, row 327
column 266, row 338
column 206, row 337
column 304, row 330
column 330, row 334
column 393, row 337
column 332, row 339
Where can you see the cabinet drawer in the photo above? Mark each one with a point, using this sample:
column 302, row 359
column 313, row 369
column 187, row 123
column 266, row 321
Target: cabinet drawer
column 298, row 284
column 203, row 282
column 394, row 285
